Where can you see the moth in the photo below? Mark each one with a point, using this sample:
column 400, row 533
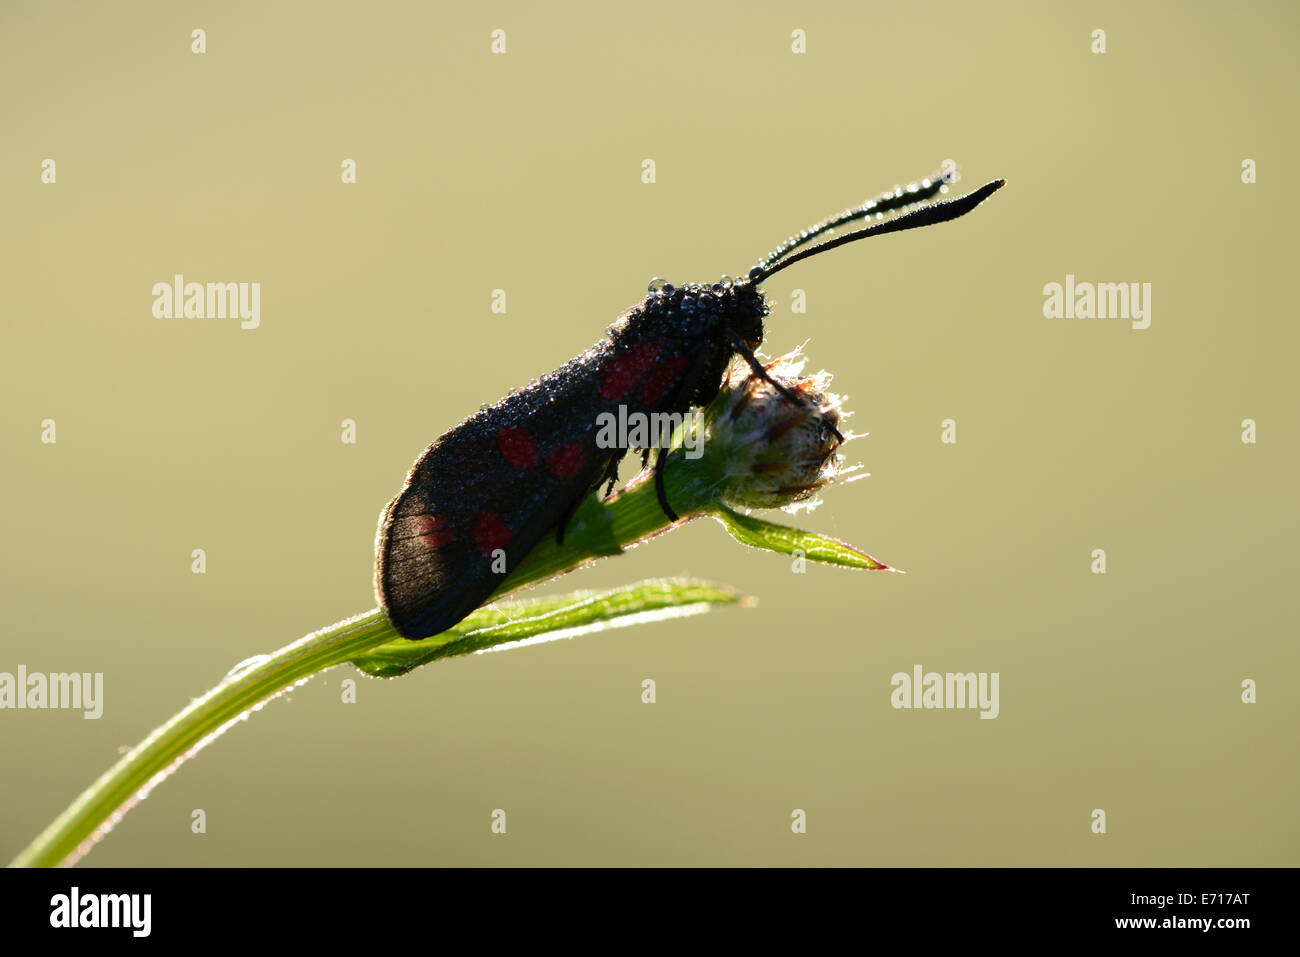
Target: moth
column 485, row 493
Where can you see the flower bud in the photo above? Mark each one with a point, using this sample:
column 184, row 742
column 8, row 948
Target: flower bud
column 778, row 452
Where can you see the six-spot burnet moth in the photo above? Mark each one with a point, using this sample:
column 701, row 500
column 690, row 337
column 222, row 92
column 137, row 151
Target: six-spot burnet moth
column 484, row 494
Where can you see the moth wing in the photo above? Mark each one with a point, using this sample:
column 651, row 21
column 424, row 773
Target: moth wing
column 468, row 514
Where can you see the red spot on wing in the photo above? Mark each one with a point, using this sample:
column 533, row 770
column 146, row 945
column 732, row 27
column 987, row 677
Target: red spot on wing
column 628, row 368
column 566, row 461
column 490, row 533
column 662, row 378
column 432, row 531
column 518, row 447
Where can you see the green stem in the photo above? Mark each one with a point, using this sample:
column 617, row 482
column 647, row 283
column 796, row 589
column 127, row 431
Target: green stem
column 92, row 814
column 598, row 529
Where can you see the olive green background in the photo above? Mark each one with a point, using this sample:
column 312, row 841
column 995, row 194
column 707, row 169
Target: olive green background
column 522, row 171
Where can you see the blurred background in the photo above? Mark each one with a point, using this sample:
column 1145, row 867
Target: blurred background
column 522, row 171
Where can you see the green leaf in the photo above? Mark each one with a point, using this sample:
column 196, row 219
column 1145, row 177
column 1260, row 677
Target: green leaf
column 548, row 619
column 757, row 533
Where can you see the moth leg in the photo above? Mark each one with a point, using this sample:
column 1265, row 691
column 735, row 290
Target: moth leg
column 611, row 473
column 661, row 460
column 681, row 395
column 745, row 353
column 567, row 517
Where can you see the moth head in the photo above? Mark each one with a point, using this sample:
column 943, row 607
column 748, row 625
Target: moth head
column 747, row 307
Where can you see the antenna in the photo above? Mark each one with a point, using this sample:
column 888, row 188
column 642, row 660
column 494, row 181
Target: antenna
column 913, row 219
column 886, row 202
